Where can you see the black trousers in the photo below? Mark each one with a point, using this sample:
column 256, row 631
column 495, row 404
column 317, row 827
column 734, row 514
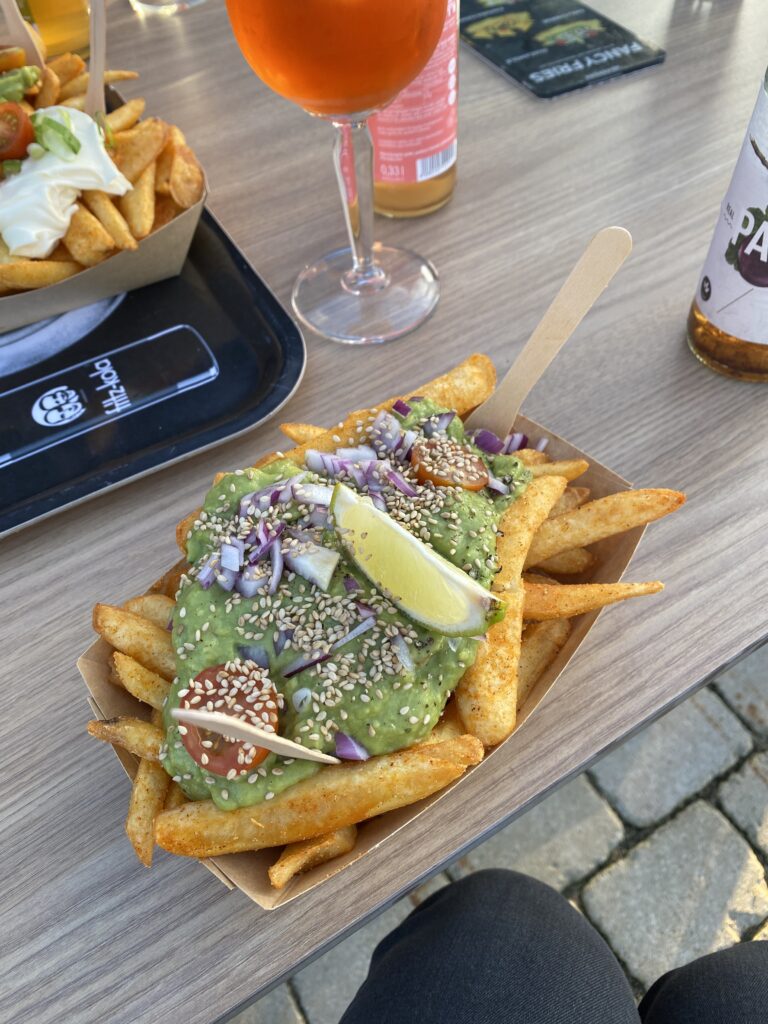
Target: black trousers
column 501, row 948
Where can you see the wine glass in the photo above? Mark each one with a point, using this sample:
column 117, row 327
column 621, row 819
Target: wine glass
column 342, row 60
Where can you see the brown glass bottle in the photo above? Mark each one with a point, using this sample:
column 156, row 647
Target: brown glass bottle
column 728, row 321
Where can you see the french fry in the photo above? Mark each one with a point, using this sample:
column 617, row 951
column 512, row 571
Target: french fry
column 165, row 160
column 300, row 857
column 49, row 89
column 138, row 147
column 76, row 102
column 486, row 695
column 448, row 727
column 27, row 107
column 79, row 84
column 333, row 798
column 148, row 796
column 301, row 433
column 541, row 644
column 170, row 583
column 87, row 240
column 143, row 683
column 569, row 563
column 570, row 469
column 132, row 734
column 572, row 497
column 22, row 275
column 122, row 118
column 553, row 601
column 165, row 211
column 12, row 57
column 601, row 518
column 102, row 206
column 187, row 182
column 138, row 205
column 156, row 607
column 530, row 457
column 137, row 637
column 66, row 67
column 175, row 797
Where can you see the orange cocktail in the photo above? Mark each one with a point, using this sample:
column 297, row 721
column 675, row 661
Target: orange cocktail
column 337, row 56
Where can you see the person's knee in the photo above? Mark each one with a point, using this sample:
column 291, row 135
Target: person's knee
column 497, row 890
column 730, row 985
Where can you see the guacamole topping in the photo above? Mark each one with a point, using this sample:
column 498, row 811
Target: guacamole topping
column 343, row 658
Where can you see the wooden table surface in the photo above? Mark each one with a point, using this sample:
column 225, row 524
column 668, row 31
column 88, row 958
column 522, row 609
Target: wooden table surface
column 90, row 935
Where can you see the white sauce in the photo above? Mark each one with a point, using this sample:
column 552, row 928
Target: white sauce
column 37, row 204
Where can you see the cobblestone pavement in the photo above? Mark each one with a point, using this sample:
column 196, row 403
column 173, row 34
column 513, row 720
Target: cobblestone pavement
column 663, row 845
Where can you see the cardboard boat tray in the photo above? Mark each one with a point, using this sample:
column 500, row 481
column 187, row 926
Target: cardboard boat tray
column 248, row 871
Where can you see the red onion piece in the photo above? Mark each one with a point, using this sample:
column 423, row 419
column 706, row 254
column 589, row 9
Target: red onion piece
column 312, row 494
column 305, row 661
column 401, row 408
column 255, row 653
column 283, row 636
column 437, row 424
column 402, row 652
column 416, row 398
column 514, row 442
column 351, row 584
column 301, row 698
column 206, row 574
column 232, row 552
column 541, row 444
column 494, row 484
column 349, row 749
column 365, row 609
column 276, row 556
column 386, row 430
column 487, row 441
column 402, row 484
column 251, row 580
column 355, row 632
column 379, row 502
column 361, row 453
column 226, row 578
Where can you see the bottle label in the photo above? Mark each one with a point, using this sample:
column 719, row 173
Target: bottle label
column 733, row 288
column 414, row 138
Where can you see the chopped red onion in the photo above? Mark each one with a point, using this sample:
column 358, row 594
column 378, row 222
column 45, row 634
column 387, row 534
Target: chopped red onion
column 355, row 632
column 283, row 636
column 351, row 584
column 402, row 652
column 487, row 441
column 253, row 652
column 265, row 536
column 169, row 624
column 365, row 609
column 305, row 661
column 232, row 552
column 251, row 580
column 206, row 574
column 494, row 484
column 541, row 444
column 349, row 749
column 379, row 502
column 401, row 408
column 312, row 494
column 276, row 556
column 301, row 698
column 226, row 578
column 260, row 501
column 437, row 424
column 405, row 444
column 362, row 453
column 316, row 564
column 402, row 484
column 386, row 430
column 513, row 443
column 318, row 516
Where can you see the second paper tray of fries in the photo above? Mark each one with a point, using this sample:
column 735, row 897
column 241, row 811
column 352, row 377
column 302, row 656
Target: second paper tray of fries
column 139, row 193
column 559, row 535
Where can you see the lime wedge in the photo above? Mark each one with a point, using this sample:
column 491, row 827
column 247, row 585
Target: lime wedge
column 424, row 585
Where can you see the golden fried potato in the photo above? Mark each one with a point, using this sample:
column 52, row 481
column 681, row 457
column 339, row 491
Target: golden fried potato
column 76, row 102
column 540, row 646
column 187, row 183
column 137, row 637
column 156, row 607
column 301, row 433
column 520, row 525
column 555, row 601
column 132, row 734
column 165, row 160
column 148, row 798
column 175, row 798
column 22, row 274
column 601, row 518
column 79, row 85
column 102, row 206
column 570, row 468
column 165, row 211
column 572, row 498
column 333, row 798
column 138, row 147
column 49, row 89
column 87, row 239
column 574, row 562
column 143, row 683
column 12, row 57
column 531, row 457
column 66, row 67
column 138, row 205
column 297, row 858
column 125, row 117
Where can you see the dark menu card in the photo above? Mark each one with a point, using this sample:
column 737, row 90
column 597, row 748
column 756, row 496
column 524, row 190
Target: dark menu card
column 553, row 46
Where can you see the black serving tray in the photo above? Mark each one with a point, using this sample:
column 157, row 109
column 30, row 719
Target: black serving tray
column 217, row 315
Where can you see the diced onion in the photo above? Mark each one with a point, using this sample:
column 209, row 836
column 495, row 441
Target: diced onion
column 402, row 652
column 255, row 653
column 513, row 443
column 354, row 633
column 301, row 698
column 348, row 749
column 541, row 444
column 401, row 408
column 276, row 556
column 487, row 441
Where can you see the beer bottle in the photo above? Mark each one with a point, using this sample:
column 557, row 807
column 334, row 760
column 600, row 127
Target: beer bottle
column 728, row 322
column 415, row 137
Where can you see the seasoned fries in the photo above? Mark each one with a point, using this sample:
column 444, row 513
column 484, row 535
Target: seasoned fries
column 154, row 156
column 550, row 525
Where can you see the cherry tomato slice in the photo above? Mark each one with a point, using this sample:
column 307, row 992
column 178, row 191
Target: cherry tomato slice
column 16, row 132
column 448, row 464
column 231, row 683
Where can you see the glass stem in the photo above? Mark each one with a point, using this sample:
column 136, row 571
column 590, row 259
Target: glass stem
column 353, row 160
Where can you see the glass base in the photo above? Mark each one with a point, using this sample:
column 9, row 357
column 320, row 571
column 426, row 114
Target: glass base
column 397, row 299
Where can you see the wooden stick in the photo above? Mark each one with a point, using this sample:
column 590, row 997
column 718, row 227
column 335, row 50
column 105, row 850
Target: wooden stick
column 225, row 725
column 95, row 100
column 584, row 285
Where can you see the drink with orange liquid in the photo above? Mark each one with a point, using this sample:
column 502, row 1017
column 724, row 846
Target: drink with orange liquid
column 63, row 24
column 337, row 57
column 343, row 60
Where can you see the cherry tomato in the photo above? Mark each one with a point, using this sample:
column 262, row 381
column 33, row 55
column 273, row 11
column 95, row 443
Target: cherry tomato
column 448, row 464
column 16, row 132
column 215, row 753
